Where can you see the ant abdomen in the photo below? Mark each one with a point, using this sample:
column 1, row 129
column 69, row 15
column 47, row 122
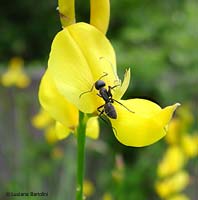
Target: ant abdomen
column 110, row 110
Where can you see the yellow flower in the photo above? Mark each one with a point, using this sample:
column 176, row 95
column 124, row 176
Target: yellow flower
column 172, row 161
column 88, row 188
column 53, row 130
column 64, row 113
column 99, row 13
column 15, row 74
column 179, row 197
column 50, row 134
column 80, row 55
column 189, row 145
column 107, row 196
column 173, row 184
column 174, row 132
column 186, row 116
column 42, row 119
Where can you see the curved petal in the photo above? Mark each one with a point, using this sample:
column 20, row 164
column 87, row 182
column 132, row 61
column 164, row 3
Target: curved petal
column 92, row 128
column 119, row 91
column 42, row 119
column 62, row 132
column 66, row 10
column 56, row 104
column 75, row 64
column 50, row 134
column 100, row 14
column 144, row 125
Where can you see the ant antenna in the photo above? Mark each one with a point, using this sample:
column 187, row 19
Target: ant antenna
column 86, row 91
column 105, row 74
column 110, row 64
column 123, row 106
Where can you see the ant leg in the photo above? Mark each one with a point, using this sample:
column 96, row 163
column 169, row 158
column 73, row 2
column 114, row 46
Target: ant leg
column 114, row 86
column 103, row 119
column 99, row 95
column 100, row 111
column 123, row 106
column 105, row 74
column 111, row 88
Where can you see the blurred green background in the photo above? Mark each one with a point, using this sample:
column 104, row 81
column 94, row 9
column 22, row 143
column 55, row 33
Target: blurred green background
column 157, row 39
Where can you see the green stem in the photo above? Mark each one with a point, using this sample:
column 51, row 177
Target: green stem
column 80, row 155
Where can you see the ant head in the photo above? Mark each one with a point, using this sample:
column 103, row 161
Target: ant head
column 99, row 84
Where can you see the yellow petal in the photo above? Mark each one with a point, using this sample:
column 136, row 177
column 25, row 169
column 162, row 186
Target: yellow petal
column 179, row 197
column 174, row 132
column 16, row 63
column 119, row 91
column 54, row 103
column 66, row 10
column 189, row 145
column 173, row 184
column 15, row 75
column 62, row 132
column 50, row 134
column 23, row 80
column 75, row 64
column 42, row 119
column 100, row 14
column 92, row 128
column 143, row 127
column 172, row 161
column 88, row 188
column 107, row 196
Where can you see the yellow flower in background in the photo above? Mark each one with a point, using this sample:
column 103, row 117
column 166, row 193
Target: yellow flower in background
column 179, row 197
column 174, row 132
column 172, row 161
column 107, row 196
column 55, row 131
column 182, row 146
column 172, row 185
column 185, row 114
column 15, row 75
column 88, row 188
column 52, row 130
column 74, row 66
column 195, row 136
column 42, row 119
column 189, row 145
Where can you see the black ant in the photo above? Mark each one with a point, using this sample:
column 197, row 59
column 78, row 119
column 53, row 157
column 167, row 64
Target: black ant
column 107, row 96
